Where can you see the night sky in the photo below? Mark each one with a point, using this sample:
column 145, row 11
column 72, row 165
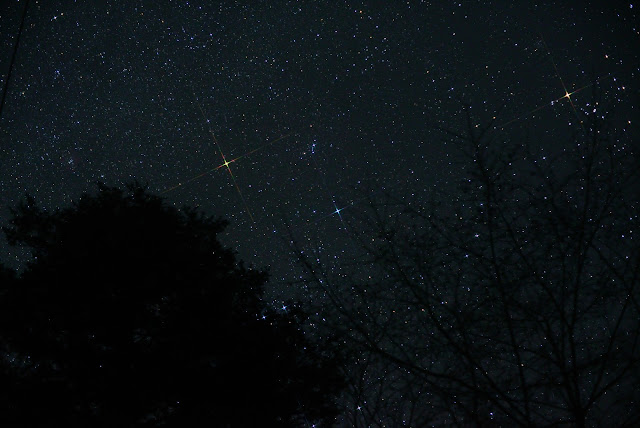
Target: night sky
column 313, row 105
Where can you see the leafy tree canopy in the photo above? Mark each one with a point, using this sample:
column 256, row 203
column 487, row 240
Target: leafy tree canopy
column 132, row 313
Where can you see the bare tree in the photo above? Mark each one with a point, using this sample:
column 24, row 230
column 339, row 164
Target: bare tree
column 516, row 303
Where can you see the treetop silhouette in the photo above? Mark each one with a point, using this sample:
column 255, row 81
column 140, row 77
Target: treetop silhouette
column 132, row 313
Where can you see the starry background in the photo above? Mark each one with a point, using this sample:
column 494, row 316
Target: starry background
column 317, row 105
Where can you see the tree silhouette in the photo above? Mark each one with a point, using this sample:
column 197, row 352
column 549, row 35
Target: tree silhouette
column 516, row 303
column 131, row 313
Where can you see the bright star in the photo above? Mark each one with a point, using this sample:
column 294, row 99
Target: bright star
column 337, row 211
column 226, row 162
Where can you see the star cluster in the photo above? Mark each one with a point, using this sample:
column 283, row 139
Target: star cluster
column 288, row 117
column 290, row 112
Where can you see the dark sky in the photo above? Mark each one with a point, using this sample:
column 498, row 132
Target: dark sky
column 314, row 101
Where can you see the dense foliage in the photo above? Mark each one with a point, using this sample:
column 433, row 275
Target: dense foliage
column 132, row 313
